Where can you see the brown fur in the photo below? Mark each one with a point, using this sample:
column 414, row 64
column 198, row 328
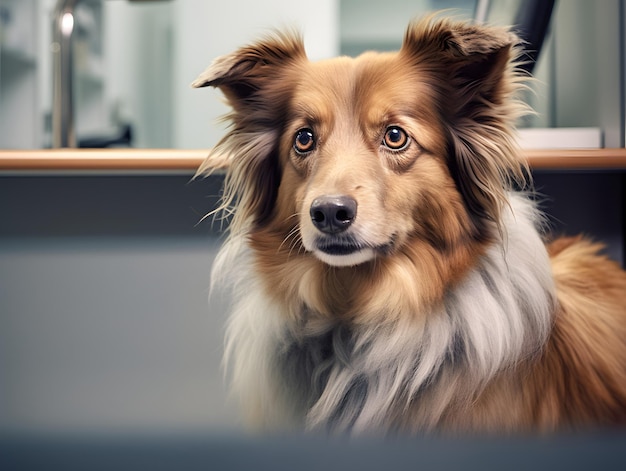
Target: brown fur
column 432, row 213
column 581, row 378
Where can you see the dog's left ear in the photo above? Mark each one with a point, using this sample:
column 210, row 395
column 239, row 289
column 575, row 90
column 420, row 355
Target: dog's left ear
column 473, row 67
column 475, row 58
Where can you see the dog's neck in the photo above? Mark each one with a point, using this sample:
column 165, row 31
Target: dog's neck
column 493, row 316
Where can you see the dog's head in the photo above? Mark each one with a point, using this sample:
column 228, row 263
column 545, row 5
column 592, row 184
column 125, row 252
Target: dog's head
column 356, row 159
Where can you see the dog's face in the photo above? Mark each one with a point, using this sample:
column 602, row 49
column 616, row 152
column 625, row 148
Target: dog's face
column 352, row 160
column 361, row 154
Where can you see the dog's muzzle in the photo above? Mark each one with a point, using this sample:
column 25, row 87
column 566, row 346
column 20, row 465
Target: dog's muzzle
column 332, row 216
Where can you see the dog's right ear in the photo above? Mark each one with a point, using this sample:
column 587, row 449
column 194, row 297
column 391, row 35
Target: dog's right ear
column 257, row 81
column 245, row 74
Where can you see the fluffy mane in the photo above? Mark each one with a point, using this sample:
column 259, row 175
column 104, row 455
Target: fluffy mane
column 442, row 359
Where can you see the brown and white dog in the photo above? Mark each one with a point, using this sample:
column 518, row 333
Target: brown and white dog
column 387, row 277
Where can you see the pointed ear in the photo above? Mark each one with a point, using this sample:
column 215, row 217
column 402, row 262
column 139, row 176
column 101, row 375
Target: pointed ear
column 257, row 80
column 473, row 68
column 475, row 57
column 243, row 73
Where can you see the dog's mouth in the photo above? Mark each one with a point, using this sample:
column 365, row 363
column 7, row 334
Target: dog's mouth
column 348, row 251
column 339, row 247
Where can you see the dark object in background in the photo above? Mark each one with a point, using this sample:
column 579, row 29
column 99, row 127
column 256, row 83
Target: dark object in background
column 123, row 138
column 531, row 24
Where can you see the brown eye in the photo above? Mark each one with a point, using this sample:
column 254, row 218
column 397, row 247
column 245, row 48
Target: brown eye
column 304, row 141
column 395, row 138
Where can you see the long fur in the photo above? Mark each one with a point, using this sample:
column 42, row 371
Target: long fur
column 451, row 314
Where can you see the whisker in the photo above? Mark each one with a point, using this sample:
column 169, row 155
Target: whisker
column 294, row 235
column 297, row 243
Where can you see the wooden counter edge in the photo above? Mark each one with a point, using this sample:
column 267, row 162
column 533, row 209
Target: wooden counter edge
column 188, row 160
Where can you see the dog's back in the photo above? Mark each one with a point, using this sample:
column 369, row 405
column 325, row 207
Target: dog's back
column 581, row 378
column 578, row 379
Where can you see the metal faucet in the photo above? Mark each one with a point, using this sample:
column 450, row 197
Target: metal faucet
column 63, row 127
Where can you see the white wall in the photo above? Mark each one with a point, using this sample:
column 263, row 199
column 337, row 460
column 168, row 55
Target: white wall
column 205, row 30
column 155, row 50
column 138, row 58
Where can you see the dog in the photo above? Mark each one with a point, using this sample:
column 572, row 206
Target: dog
column 389, row 265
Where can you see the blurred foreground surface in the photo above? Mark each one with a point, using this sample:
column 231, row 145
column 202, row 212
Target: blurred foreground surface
column 602, row 450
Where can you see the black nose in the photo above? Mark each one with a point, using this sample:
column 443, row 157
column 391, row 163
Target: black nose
column 333, row 214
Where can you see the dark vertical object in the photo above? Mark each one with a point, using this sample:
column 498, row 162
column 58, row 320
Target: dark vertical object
column 531, row 24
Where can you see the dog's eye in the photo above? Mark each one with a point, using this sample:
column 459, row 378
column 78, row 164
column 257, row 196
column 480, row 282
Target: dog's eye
column 395, row 138
column 304, row 141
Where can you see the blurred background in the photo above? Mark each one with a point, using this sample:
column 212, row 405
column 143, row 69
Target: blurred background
column 134, row 61
column 106, row 323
